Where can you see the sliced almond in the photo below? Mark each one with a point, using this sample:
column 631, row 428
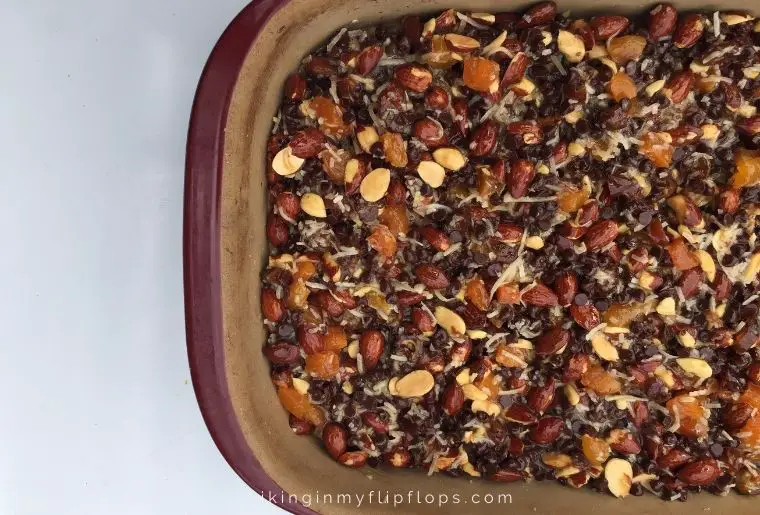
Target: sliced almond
column 686, row 339
column 312, row 204
column 603, row 348
column 571, row 392
column 557, row 460
column 352, row 168
column 432, row 173
column 461, row 43
column 353, row 349
column 463, row 377
column 449, row 158
column 476, row 334
column 654, row 87
column 450, row 321
column 392, row 386
column 484, row 17
column 490, row 408
column 695, row 366
column 300, row 385
column 474, row 393
column 619, row 476
column 710, row 132
column 367, row 137
column 285, row 163
column 665, row 375
column 428, row 28
column 707, row 264
column 647, row 280
column 415, row 384
column 571, row 46
column 597, row 52
column 534, row 242
column 752, row 268
column 525, row 87
column 576, row 149
column 735, row 18
column 573, row 116
column 375, row 184
column 667, row 307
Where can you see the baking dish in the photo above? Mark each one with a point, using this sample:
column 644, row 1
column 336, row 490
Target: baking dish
column 225, row 245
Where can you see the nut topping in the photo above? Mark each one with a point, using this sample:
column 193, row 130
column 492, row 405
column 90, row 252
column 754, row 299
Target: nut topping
column 523, row 246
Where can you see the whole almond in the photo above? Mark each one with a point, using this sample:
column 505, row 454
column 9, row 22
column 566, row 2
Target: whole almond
column 662, row 21
column 295, row 88
column 541, row 397
column 677, row 88
column 278, row 233
column 437, row 98
column 353, row 459
column 435, row 237
column 520, row 176
column 461, row 115
column 623, row 442
column 540, row 295
column 373, row 420
column 413, row 77
column 300, row 426
column 368, row 59
column 432, row 276
column 335, row 439
column 566, row 286
column 288, row 204
column 307, row 143
column 528, row 130
column 282, row 353
column 601, row 234
column 408, row 298
column 702, row 472
column 354, row 173
column 689, row 31
column 521, row 414
column 422, row 320
column 736, row 415
column 607, row 26
column 509, row 232
column 430, row 132
column 722, row 286
column 484, row 138
column 310, row 341
column 547, row 430
column 516, row 69
column 271, row 307
column 552, row 342
column 371, row 347
column 576, row 367
column 453, row 399
column 586, row 315
column 540, row 14
column 690, row 281
column 460, row 43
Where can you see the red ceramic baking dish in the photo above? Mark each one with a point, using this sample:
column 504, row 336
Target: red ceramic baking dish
column 225, row 249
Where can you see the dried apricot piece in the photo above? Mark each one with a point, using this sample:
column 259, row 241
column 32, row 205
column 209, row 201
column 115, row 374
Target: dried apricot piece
column 305, row 269
column 394, row 149
column 658, row 148
column 691, row 415
column 328, row 114
column 490, row 384
column 475, row 292
column 595, row 449
column 383, row 241
column 299, row 405
column 570, row 199
column 323, row 365
column 395, row 218
column 621, row 315
column 598, row 380
column 751, row 396
column 335, row 338
column 749, row 434
column 508, row 294
column 297, row 295
column 621, row 86
column 334, row 164
column 481, row 74
column 681, row 255
column 747, row 168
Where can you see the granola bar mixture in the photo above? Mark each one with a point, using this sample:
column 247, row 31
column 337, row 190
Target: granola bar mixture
column 524, row 246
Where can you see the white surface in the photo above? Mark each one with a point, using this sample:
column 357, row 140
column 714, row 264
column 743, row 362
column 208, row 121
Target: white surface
column 98, row 414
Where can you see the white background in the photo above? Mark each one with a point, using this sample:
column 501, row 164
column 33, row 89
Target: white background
column 98, row 413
